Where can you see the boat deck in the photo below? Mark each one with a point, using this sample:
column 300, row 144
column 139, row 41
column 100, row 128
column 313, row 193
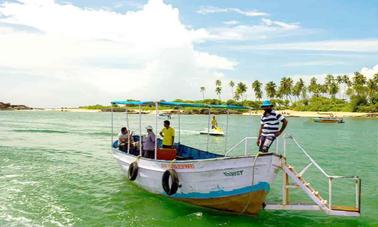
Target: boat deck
column 183, row 152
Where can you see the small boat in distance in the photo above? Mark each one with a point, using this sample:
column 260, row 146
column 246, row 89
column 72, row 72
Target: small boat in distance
column 328, row 120
column 213, row 132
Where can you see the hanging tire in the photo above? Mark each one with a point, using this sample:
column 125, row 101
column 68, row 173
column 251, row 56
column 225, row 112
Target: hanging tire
column 170, row 189
column 133, row 171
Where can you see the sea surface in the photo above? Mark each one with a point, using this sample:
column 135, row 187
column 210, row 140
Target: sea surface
column 56, row 169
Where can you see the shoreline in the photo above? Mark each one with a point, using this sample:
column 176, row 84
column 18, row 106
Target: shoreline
column 286, row 113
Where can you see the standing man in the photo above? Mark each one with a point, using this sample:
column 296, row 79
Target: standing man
column 168, row 135
column 269, row 128
column 149, row 143
column 214, row 123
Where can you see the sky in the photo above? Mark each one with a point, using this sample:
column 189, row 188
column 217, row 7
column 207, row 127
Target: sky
column 81, row 52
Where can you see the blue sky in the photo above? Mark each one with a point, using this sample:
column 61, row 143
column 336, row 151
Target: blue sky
column 175, row 42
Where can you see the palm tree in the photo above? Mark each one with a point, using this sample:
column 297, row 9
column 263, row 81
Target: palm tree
column 256, row 86
column 375, row 78
column 333, row 88
column 286, row 85
column 298, row 88
column 358, row 84
column 348, row 91
column 232, row 85
column 372, row 87
column 340, row 81
column 329, row 80
column 314, row 87
column 203, row 89
column 270, row 89
column 218, row 88
column 241, row 88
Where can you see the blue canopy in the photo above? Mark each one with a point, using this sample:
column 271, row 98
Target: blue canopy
column 182, row 104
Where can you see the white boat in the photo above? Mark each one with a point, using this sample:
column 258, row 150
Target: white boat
column 238, row 184
column 213, row 132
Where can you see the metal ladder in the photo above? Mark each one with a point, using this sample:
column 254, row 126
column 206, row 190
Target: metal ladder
column 299, row 182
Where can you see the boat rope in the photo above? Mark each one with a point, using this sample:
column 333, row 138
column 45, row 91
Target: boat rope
column 253, row 180
column 171, row 164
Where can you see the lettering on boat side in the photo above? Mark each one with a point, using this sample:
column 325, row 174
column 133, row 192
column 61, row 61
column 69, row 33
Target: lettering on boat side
column 233, row 173
column 178, row 166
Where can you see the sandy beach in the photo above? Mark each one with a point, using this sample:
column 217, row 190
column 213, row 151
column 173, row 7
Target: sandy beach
column 293, row 113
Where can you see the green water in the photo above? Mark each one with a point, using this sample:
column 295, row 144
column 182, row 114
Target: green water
column 56, row 169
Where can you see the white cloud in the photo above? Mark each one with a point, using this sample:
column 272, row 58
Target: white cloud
column 314, row 63
column 248, row 13
column 369, row 72
column 281, row 24
column 231, row 22
column 266, row 29
column 83, row 56
column 370, row 45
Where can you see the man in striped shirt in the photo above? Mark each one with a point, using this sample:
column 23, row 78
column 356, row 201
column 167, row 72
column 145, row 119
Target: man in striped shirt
column 269, row 128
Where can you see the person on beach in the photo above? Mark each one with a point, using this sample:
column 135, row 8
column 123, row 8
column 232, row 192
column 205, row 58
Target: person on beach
column 168, row 134
column 149, row 143
column 124, row 137
column 269, row 128
column 214, row 123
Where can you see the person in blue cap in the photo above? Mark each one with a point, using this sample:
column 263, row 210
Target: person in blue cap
column 269, row 128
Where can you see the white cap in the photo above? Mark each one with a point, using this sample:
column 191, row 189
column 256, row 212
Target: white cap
column 149, row 127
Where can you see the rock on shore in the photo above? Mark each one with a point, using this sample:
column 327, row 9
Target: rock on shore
column 8, row 106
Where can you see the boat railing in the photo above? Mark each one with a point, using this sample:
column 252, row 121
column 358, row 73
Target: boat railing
column 248, row 142
column 331, row 178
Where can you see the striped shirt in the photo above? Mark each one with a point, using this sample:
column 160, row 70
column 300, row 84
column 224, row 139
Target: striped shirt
column 270, row 123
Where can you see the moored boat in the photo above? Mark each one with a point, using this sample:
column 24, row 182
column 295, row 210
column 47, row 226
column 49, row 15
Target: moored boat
column 237, row 184
column 328, row 120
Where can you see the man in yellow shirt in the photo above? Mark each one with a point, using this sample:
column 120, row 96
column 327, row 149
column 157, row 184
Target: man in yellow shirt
column 214, row 123
column 168, row 135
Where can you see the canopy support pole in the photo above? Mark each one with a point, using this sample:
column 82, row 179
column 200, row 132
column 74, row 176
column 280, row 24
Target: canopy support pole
column 112, row 124
column 128, row 130
column 208, row 132
column 127, row 118
column 179, row 126
column 226, row 136
column 140, row 130
column 156, row 125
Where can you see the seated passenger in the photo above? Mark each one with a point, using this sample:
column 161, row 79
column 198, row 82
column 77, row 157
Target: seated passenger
column 124, row 137
column 149, row 143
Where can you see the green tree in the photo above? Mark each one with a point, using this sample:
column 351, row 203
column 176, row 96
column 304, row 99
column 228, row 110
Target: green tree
column 313, row 87
column 348, row 90
column 358, row 84
column 333, row 88
column 298, row 88
column 241, row 89
column 203, row 89
column 270, row 89
column 256, row 86
column 218, row 88
column 329, row 80
column 232, row 85
column 286, row 86
column 372, row 88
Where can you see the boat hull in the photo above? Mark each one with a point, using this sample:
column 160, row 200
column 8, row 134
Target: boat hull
column 328, row 120
column 233, row 184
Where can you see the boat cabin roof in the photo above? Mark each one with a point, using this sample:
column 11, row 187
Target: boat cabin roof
column 180, row 104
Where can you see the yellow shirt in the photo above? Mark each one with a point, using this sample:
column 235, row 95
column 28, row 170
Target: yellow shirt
column 214, row 123
column 168, row 133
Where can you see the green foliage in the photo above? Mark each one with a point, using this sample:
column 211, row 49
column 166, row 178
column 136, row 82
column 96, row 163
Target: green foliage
column 320, row 104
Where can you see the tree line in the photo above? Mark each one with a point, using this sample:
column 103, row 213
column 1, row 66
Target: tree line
column 357, row 90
